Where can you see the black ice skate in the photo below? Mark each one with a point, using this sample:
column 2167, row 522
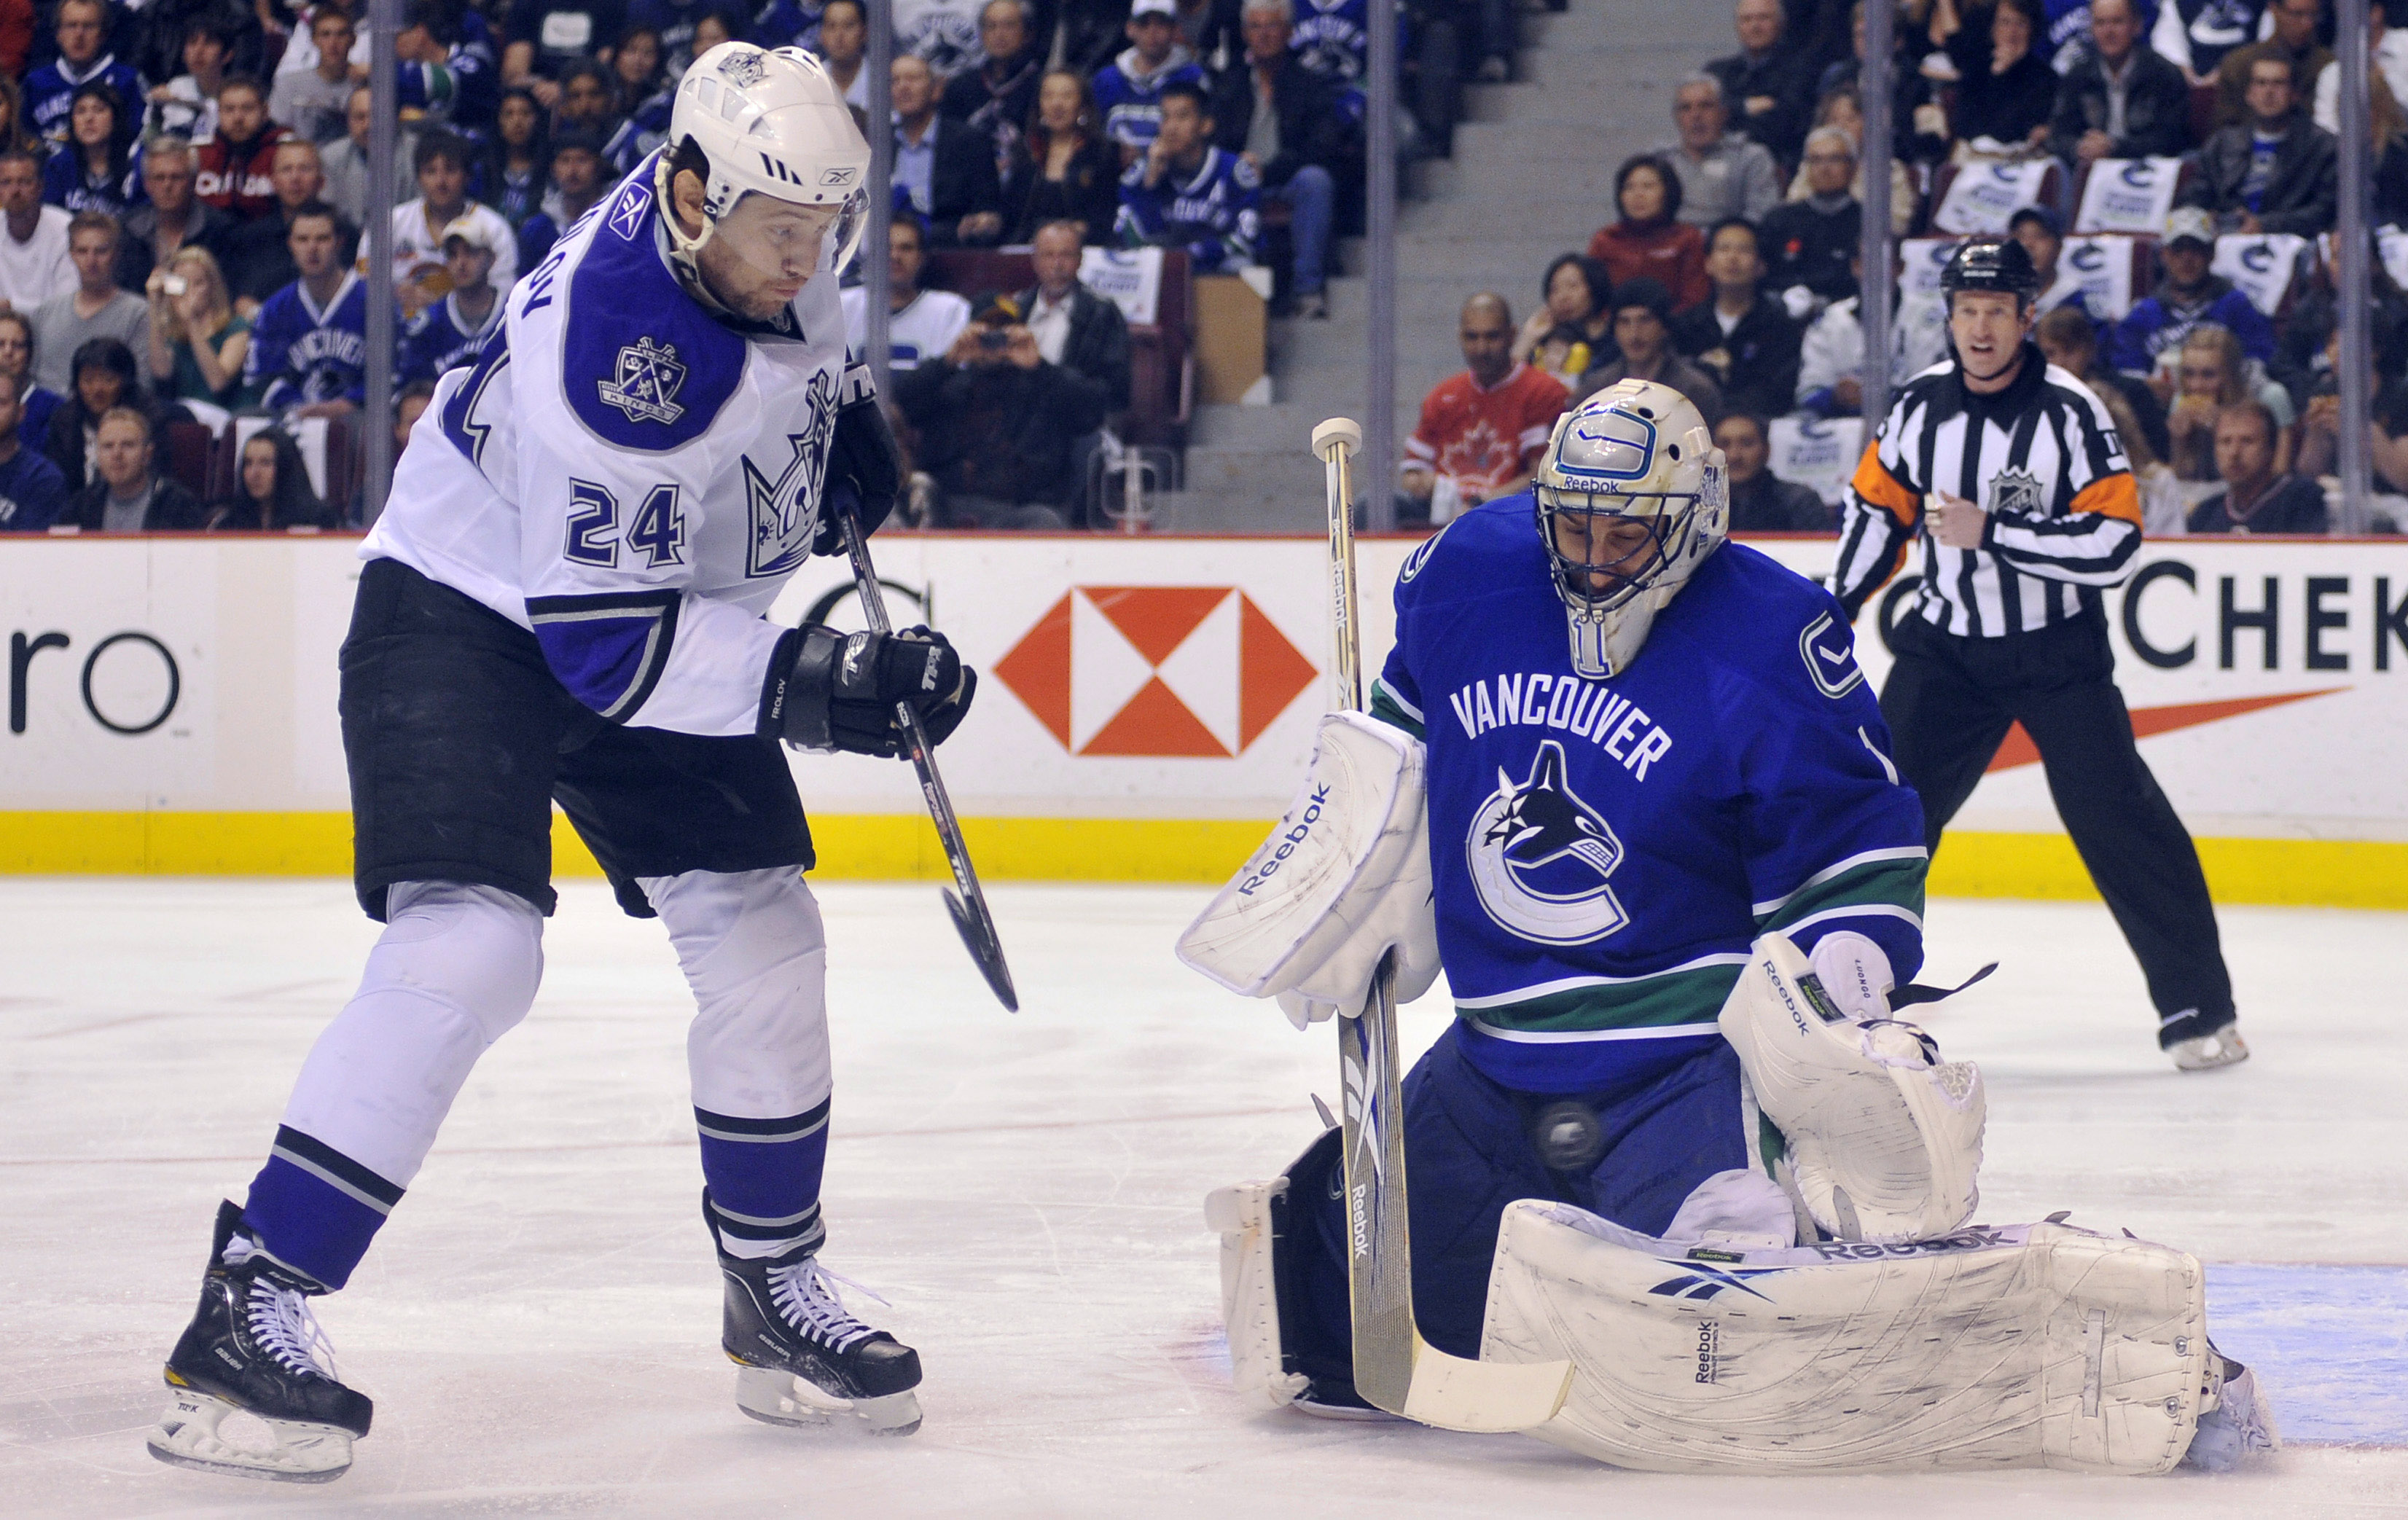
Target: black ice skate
column 254, row 1346
column 801, row 1356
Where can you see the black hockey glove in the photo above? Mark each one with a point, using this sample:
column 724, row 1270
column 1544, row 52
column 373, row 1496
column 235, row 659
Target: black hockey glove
column 833, row 691
column 862, row 454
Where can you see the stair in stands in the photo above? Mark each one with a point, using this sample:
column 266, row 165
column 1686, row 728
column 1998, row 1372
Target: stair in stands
column 1532, row 177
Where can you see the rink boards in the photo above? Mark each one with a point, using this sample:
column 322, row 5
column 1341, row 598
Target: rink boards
column 1146, row 707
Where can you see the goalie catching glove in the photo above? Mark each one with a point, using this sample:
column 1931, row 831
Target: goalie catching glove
column 1343, row 880
column 837, row 691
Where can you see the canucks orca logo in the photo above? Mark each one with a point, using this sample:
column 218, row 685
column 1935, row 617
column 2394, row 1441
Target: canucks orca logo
column 1540, row 857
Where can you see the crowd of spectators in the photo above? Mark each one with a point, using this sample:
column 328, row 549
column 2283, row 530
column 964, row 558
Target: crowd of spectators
column 1730, row 267
column 187, row 179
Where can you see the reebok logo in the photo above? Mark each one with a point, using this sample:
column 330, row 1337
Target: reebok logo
column 1276, row 856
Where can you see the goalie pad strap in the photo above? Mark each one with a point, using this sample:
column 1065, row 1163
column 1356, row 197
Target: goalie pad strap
column 2034, row 1345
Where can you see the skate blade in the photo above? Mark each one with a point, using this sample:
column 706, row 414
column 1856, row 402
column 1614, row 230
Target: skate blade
column 778, row 1398
column 187, row 1437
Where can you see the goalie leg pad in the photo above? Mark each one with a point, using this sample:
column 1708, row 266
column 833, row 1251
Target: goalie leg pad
column 2035, row 1345
column 1344, row 878
column 1884, row 1138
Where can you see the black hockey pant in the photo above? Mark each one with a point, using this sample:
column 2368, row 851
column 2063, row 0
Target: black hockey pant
column 1949, row 701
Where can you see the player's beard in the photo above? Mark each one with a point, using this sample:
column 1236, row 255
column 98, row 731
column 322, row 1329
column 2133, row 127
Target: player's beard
column 734, row 282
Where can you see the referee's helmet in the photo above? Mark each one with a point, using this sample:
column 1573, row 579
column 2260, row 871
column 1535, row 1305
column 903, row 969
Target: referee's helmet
column 1992, row 264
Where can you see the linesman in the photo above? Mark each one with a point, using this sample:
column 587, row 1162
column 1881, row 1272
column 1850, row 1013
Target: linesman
column 2009, row 475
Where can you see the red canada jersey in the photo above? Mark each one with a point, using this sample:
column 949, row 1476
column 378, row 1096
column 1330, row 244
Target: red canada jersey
column 1486, row 439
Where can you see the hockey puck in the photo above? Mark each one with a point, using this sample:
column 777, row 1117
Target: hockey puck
column 1568, row 1136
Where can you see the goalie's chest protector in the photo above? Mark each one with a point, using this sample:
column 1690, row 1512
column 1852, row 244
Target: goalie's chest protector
column 1602, row 850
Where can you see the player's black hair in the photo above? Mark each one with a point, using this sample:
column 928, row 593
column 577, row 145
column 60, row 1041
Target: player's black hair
column 121, row 131
column 1186, row 89
column 291, row 502
column 1663, row 172
column 1763, row 426
column 316, row 208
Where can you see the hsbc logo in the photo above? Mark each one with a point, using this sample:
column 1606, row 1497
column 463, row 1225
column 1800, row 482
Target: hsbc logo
column 1173, row 671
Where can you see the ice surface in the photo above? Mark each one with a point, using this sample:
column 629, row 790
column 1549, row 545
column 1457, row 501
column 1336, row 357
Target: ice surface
column 538, row 1323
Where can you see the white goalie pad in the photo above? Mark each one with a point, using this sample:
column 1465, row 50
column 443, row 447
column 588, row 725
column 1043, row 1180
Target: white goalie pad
column 2030, row 1345
column 1342, row 880
column 1884, row 1138
column 1249, row 1292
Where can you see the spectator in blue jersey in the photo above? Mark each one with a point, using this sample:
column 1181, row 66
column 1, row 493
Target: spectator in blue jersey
column 514, row 171
column 999, row 97
column 33, row 492
column 2276, row 172
column 198, row 340
column 1129, row 90
column 577, row 183
column 545, row 37
column 35, row 402
column 589, row 102
column 2186, row 294
column 83, row 39
column 1333, row 39
column 309, row 345
column 1186, row 193
column 944, row 166
column 449, row 66
column 271, row 490
column 646, row 92
column 453, row 330
column 97, row 169
column 1283, row 123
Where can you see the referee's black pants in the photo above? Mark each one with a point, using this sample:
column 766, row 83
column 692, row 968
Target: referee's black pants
column 1949, row 701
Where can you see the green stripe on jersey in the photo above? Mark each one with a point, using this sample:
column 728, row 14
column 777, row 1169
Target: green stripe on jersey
column 1385, row 708
column 1692, row 996
column 1884, row 884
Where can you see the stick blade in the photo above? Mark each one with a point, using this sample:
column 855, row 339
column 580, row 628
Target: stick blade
column 985, row 948
column 1485, row 1397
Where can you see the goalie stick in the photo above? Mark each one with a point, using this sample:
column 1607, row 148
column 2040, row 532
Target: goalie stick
column 971, row 919
column 1395, row 1369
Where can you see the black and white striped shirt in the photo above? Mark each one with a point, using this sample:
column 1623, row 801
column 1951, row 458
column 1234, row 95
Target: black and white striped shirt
column 2040, row 457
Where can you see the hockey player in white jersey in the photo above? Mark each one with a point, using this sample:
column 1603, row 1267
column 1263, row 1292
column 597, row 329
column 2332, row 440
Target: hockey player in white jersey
column 563, row 600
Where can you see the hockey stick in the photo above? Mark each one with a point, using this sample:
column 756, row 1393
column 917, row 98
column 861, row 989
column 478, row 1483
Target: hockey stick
column 971, row 919
column 1395, row 1369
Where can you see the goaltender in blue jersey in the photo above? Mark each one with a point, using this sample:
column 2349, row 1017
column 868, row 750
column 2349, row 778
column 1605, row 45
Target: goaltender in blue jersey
column 1606, row 849
column 1624, row 781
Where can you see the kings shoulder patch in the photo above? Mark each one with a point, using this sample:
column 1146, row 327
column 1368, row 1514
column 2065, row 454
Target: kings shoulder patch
column 646, row 385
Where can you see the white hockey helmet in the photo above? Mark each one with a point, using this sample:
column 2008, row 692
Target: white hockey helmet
column 771, row 123
column 1638, row 449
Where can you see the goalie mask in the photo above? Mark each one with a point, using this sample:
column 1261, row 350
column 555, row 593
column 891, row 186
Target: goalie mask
column 768, row 122
column 1631, row 498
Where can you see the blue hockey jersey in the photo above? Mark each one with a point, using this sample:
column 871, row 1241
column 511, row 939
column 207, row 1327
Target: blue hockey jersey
column 1130, row 98
column 1213, row 213
column 50, row 93
column 441, row 338
column 302, row 352
column 1605, row 851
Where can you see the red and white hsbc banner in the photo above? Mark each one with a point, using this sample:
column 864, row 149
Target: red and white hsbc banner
column 1155, row 678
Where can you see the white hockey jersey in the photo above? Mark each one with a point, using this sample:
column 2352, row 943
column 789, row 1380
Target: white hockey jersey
column 628, row 477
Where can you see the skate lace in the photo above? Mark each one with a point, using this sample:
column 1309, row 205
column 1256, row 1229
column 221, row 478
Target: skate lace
column 281, row 1323
column 806, row 1293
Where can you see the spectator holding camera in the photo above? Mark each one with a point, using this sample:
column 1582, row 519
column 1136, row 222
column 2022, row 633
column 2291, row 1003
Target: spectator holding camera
column 998, row 424
column 127, row 493
column 1076, row 329
column 197, row 341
